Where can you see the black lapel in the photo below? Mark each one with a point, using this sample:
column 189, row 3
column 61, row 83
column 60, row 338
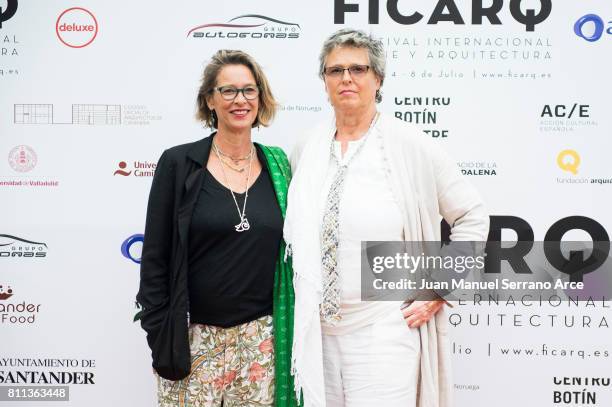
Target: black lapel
column 197, row 157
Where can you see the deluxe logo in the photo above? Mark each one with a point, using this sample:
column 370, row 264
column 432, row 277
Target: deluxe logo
column 76, row 27
column 447, row 11
column 8, row 12
column 22, row 158
column 569, row 160
column 20, row 313
column 141, row 169
column 253, row 26
column 591, row 27
column 13, row 246
column 131, row 253
column 6, row 294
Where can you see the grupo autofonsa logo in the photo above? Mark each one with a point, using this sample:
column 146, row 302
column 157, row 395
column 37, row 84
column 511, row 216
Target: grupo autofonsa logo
column 253, row 26
column 569, row 160
column 8, row 12
column 76, row 27
column 22, row 158
column 13, row 246
column 591, row 27
column 131, row 248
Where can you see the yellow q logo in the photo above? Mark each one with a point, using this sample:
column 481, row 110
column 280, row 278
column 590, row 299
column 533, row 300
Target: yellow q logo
column 568, row 165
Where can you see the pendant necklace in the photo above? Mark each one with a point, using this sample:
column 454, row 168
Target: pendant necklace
column 243, row 225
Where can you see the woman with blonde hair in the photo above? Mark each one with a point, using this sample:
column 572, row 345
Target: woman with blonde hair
column 216, row 296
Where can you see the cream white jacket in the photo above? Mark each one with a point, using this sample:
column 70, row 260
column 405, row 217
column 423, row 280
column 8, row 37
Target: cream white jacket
column 428, row 185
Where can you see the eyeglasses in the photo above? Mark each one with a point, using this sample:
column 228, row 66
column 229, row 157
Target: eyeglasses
column 354, row 70
column 230, row 92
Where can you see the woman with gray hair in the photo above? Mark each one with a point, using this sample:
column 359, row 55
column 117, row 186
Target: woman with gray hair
column 368, row 177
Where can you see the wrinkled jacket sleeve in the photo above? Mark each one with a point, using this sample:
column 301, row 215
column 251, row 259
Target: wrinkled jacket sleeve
column 153, row 294
column 463, row 209
column 460, row 204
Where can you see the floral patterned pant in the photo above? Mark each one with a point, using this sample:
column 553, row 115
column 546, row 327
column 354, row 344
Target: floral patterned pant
column 230, row 367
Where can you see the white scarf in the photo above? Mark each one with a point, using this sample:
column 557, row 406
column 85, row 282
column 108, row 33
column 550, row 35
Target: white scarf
column 426, row 183
column 301, row 231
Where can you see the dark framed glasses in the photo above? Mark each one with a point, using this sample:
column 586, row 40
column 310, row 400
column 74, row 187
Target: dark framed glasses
column 338, row 71
column 230, row 92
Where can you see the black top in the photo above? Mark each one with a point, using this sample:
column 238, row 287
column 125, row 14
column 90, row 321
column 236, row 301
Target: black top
column 231, row 274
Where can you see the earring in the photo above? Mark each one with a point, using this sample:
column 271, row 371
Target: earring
column 378, row 96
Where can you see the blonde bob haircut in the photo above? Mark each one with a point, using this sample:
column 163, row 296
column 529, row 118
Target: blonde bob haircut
column 223, row 57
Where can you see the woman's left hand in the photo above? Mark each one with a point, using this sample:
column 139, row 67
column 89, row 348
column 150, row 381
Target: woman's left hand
column 419, row 312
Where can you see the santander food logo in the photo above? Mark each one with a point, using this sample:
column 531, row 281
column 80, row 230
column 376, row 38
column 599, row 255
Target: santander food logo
column 76, row 27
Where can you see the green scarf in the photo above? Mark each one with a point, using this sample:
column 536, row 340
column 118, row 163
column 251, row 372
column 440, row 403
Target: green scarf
column 283, row 296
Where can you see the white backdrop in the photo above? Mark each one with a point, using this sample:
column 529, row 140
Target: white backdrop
column 80, row 110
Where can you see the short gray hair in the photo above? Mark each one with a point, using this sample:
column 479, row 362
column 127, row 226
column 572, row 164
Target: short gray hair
column 349, row 37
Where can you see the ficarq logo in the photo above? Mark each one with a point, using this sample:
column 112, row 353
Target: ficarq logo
column 6, row 14
column 583, row 23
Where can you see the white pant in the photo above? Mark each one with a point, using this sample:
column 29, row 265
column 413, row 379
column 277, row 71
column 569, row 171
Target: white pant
column 377, row 365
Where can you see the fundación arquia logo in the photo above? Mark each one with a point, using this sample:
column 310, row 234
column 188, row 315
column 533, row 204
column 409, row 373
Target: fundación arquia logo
column 76, row 27
column 253, row 26
column 8, row 12
column 22, row 158
column 591, row 27
column 569, row 160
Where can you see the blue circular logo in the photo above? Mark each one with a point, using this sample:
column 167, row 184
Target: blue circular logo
column 127, row 245
column 590, row 18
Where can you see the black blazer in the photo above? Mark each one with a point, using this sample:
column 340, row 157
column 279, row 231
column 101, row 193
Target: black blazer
column 163, row 294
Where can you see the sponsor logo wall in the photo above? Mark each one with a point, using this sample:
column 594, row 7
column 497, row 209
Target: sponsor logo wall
column 91, row 94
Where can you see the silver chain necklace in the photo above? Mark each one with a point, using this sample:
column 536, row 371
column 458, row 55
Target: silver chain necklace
column 244, row 224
